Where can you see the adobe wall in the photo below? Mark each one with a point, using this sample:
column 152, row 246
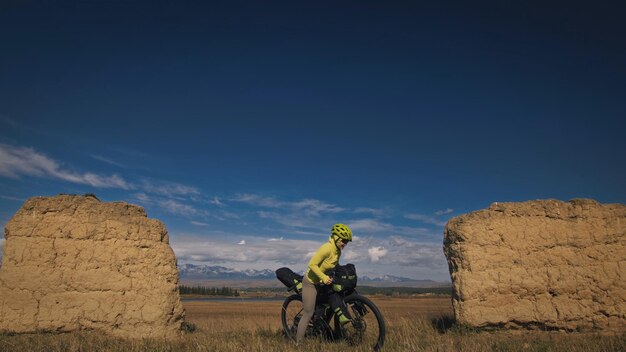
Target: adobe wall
column 73, row 262
column 540, row 264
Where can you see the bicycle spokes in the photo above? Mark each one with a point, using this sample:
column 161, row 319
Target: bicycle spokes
column 366, row 328
column 359, row 309
column 291, row 314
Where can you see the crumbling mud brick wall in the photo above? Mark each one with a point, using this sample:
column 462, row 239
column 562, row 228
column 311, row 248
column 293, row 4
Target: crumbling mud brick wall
column 540, row 264
column 74, row 262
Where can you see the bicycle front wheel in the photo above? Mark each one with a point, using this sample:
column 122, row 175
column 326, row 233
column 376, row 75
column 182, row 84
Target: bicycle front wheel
column 290, row 315
column 369, row 325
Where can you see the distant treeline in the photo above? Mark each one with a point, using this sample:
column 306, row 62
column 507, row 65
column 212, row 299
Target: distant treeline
column 391, row 291
column 208, row 291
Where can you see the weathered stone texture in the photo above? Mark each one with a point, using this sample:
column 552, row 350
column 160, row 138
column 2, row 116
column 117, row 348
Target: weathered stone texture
column 540, row 264
column 73, row 262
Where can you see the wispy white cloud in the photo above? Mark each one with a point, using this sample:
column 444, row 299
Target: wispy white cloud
column 17, row 199
column 314, row 207
column 427, row 219
column 20, row 161
column 299, row 222
column 168, row 189
column 370, row 226
column 311, row 207
column 216, row 201
column 219, row 249
column 254, row 199
column 171, row 206
column 322, row 215
column 106, row 160
column 379, row 245
column 290, row 220
column 143, row 198
column 199, row 223
column 372, row 211
column 396, row 251
column 312, row 217
column 380, row 228
column 444, row 212
column 223, row 215
column 320, row 232
column 312, row 214
column 368, row 253
column 178, row 208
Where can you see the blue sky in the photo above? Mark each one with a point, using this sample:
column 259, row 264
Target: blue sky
column 250, row 128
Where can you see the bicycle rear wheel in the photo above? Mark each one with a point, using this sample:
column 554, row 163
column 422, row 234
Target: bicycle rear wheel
column 290, row 315
column 369, row 325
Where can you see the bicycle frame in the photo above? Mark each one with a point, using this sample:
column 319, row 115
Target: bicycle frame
column 367, row 326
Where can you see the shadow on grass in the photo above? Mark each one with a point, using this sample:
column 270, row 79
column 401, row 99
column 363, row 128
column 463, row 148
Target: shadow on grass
column 446, row 323
column 443, row 324
column 189, row 327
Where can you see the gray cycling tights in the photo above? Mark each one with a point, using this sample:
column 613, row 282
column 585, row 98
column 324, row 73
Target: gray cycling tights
column 309, row 294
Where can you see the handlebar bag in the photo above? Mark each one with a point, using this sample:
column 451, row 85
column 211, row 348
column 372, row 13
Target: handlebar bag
column 345, row 278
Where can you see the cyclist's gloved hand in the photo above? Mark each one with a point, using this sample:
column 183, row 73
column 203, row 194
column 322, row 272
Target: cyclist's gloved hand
column 327, row 280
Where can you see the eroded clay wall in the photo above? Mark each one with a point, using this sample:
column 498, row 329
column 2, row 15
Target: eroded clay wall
column 73, row 262
column 543, row 264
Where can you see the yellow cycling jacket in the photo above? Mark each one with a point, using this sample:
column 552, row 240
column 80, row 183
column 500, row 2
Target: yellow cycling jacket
column 325, row 259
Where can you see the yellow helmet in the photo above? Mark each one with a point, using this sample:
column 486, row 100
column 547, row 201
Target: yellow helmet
column 341, row 231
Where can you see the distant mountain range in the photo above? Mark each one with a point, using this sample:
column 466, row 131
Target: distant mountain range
column 203, row 272
column 198, row 273
column 215, row 275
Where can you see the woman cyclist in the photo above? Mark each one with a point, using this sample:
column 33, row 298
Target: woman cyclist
column 316, row 278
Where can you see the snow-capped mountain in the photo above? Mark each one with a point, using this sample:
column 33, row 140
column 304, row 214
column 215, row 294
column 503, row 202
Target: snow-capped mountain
column 216, row 272
column 191, row 271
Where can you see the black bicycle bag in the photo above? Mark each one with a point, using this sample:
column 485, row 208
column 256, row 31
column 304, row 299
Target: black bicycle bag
column 344, row 278
column 289, row 279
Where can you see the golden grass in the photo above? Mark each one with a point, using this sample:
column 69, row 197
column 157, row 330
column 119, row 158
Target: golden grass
column 413, row 324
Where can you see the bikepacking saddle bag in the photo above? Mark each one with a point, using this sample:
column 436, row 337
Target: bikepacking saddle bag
column 290, row 279
column 344, row 278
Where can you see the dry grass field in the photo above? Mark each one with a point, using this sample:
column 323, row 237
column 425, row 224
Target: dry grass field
column 413, row 324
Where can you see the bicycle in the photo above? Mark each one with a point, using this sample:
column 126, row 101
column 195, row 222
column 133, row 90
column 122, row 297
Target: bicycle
column 368, row 327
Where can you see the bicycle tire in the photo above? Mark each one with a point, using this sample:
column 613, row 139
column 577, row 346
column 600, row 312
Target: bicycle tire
column 373, row 335
column 290, row 315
